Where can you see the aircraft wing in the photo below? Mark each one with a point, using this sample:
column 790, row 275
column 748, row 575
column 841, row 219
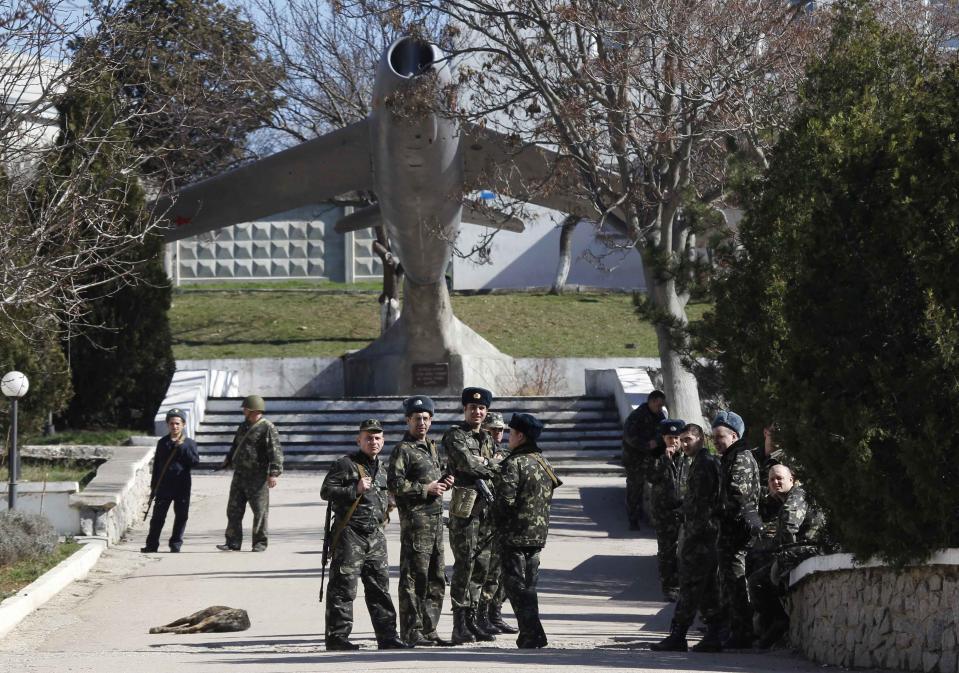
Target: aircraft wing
column 531, row 173
column 311, row 172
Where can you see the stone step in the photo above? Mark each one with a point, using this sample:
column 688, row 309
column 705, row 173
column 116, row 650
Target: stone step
column 559, row 448
column 346, row 439
column 387, row 405
column 441, row 419
column 591, row 428
column 301, row 460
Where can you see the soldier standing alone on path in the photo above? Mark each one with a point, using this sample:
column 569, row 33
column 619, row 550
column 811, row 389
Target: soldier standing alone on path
column 698, row 587
column 469, row 451
column 667, row 502
column 415, row 478
column 257, row 461
column 171, row 482
column 356, row 488
column 490, row 612
column 524, row 493
column 640, row 440
column 739, row 524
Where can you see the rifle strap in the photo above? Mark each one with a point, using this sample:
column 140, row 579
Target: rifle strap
column 552, row 475
column 340, row 525
column 166, row 466
column 247, row 433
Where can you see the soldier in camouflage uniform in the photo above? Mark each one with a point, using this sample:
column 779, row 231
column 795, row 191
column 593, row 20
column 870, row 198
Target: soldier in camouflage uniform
column 766, row 456
column 739, row 524
column 257, row 461
column 640, row 442
column 356, row 488
column 489, row 615
column 415, row 478
column 698, row 587
column 469, row 453
column 524, row 492
column 666, row 501
column 791, row 534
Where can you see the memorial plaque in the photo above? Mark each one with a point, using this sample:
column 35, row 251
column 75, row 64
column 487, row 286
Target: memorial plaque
column 431, row 375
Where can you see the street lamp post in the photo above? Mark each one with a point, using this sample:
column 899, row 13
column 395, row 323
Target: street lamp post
column 14, row 385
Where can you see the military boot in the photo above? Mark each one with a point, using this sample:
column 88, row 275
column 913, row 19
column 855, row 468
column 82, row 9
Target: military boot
column 483, row 621
column 712, row 641
column 496, row 619
column 461, row 632
column 481, row 635
column 674, row 642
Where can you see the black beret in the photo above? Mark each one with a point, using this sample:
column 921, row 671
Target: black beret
column 477, row 396
column 176, row 413
column 672, row 426
column 371, row 425
column 414, row 405
column 528, row 424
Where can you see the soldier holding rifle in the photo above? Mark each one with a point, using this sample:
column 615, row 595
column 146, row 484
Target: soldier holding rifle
column 171, row 482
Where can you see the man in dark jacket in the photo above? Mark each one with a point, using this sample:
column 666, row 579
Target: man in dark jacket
column 356, row 488
column 666, row 503
column 640, row 441
column 171, row 482
column 524, row 492
column 739, row 524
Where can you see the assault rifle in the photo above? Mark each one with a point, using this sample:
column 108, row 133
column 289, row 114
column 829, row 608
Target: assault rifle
column 327, row 544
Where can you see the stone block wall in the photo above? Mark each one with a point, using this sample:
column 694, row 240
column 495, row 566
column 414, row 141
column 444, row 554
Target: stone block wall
column 879, row 617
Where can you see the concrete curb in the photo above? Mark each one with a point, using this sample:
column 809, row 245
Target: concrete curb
column 15, row 609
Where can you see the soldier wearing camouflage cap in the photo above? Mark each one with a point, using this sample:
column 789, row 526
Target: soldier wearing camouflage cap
column 356, row 488
column 489, row 613
column 171, row 482
column 257, row 461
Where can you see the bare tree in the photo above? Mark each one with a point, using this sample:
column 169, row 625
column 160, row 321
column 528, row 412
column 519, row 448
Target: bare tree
column 641, row 105
column 565, row 254
column 53, row 241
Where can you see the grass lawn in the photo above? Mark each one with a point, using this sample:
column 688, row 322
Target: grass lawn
column 18, row 575
column 32, row 469
column 236, row 323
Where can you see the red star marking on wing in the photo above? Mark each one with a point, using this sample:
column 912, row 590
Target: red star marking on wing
column 179, row 220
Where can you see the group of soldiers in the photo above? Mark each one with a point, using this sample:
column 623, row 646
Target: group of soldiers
column 498, row 523
column 729, row 527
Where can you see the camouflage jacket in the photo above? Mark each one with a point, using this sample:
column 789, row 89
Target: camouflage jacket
column 413, row 465
column 524, row 491
column 702, row 499
column 740, row 491
column 468, row 454
column 640, row 427
column 790, row 523
column 339, row 488
column 256, row 449
column 664, row 477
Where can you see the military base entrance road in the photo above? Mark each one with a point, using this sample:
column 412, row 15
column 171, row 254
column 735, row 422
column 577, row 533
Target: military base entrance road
column 599, row 600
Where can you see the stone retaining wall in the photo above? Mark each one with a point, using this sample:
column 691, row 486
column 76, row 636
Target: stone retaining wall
column 876, row 616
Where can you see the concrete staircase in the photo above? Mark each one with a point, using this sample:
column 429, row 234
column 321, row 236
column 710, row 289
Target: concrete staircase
column 582, row 436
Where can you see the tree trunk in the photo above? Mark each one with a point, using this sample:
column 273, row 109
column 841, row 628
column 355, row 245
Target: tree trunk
column 565, row 254
column 682, row 391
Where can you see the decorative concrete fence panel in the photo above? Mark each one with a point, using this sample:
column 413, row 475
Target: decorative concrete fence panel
column 870, row 615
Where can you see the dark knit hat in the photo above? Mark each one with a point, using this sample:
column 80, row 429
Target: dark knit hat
column 528, row 424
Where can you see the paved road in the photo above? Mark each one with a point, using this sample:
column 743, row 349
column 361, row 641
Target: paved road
column 599, row 600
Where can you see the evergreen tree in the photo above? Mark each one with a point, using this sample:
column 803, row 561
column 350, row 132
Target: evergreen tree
column 122, row 363
column 191, row 78
column 839, row 317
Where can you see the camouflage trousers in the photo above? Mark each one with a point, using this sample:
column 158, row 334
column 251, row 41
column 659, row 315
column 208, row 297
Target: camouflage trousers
column 732, row 582
column 422, row 572
column 470, row 541
column 494, row 591
column 698, row 588
column 668, row 523
column 253, row 489
column 637, row 472
column 360, row 556
column 520, row 576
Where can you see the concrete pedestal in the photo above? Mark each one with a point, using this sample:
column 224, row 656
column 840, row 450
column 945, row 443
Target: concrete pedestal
column 427, row 351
